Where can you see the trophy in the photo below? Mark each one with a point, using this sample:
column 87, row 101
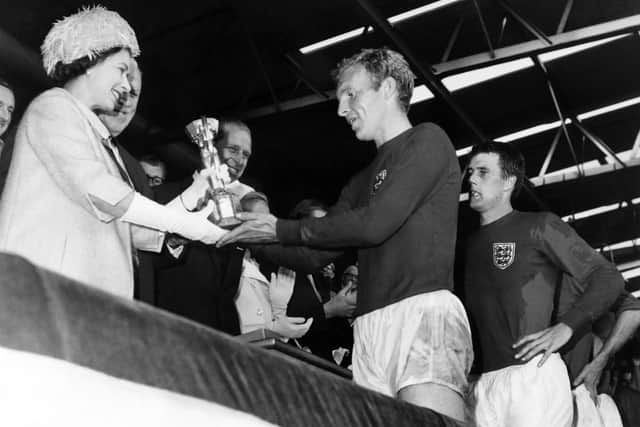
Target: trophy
column 203, row 132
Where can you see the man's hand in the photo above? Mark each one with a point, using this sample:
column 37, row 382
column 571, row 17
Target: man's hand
column 257, row 228
column 546, row 341
column 590, row 376
column 341, row 304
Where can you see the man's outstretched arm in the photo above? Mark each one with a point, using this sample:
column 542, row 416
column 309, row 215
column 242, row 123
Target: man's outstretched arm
column 418, row 171
column 626, row 325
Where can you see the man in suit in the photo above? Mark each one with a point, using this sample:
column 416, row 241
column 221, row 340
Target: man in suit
column 116, row 122
column 7, row 104
column 204, row 281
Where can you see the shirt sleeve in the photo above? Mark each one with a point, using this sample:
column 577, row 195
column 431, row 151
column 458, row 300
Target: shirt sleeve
column 147, row 239
column 418, row 170
column 58, row 135
column 625, row 302
column 601, row 281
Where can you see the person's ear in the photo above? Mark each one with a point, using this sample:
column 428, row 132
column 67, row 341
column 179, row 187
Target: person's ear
column 389, row 87
column 510, row 183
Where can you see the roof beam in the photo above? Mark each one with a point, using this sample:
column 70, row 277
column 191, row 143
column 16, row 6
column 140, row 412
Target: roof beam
column 553, row 178
column 598, row 142
column 525, row 24
column 550, row 153
column 505, row 54
column 636, row 147
column 299, row 72
column 452, row 39
column 263, row 69
column 561, row 115
column 484, row 28
column 537, row 47
column 565, row 16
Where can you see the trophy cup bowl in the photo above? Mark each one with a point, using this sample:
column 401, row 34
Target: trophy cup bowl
column 202, row 132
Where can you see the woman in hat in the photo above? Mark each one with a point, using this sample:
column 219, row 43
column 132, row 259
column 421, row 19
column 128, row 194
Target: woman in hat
column 68, row 204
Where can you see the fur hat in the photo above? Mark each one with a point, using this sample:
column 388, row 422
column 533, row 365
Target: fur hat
column 86, row 33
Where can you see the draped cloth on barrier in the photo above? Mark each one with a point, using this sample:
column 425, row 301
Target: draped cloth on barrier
column 42, row 312
column 43, row 391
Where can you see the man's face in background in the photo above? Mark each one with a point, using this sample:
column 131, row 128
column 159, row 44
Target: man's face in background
column 7, row 104
column 235, row 150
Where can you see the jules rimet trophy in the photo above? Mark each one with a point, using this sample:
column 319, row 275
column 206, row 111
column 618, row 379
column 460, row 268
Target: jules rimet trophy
column 202, row 132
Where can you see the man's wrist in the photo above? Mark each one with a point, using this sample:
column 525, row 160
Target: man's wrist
column 288, row 231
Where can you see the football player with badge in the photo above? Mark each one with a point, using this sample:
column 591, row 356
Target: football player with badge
column 514, row 265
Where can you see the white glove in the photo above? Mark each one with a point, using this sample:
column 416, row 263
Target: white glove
column 280, row 290
column 197, row 191
column 194, row 226
column 223, row 174
column 291, row 327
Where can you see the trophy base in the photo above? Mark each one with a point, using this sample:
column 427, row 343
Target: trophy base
column 226, row 222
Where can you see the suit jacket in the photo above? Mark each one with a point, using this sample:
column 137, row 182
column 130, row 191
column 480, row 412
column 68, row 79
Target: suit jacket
column 46, row 213
column 202, row 283
column 202, row 286
column 5, row 157
column 144, row 289
column 325, row 334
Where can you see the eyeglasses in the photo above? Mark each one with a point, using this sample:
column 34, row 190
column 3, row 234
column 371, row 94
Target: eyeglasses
column 155, row 180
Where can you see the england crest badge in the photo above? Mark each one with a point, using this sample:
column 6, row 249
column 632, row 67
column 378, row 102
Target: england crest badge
column 380, row 177
column 503, row 254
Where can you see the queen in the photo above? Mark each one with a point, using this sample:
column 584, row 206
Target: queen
column 68, row 204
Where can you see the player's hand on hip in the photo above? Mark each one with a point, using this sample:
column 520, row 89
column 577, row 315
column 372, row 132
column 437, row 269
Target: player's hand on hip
column 590, row 376
column 547, row 341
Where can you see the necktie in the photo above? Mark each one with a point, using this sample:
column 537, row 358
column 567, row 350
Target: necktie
column 111, row 147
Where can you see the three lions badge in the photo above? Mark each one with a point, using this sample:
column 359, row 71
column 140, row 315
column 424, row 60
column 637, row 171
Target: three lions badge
column 380, row 177
column 503, row 254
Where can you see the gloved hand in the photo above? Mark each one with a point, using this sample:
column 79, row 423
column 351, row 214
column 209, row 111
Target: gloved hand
column 291, row 327
column 195, row 197
column 194, row 226
column 280, row 290
column 223, row 174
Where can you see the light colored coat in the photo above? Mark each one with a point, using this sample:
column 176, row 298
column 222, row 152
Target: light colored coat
column 46, row 212
column 252, row 300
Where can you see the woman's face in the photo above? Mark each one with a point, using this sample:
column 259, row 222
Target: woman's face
column 108, row 82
